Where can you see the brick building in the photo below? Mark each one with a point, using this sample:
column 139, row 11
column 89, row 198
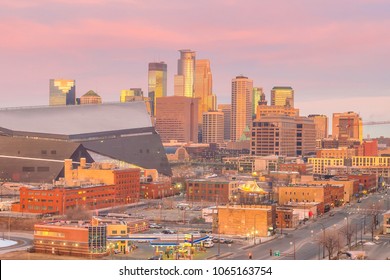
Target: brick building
column 218, row 190
column 247, row 220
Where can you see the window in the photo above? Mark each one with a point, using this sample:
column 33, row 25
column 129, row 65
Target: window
column 114, row 232
column 43, row 169
column 28, row 169
column 44, row 152
column 53, row 152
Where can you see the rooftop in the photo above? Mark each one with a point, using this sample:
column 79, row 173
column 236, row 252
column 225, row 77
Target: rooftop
column 74, row 120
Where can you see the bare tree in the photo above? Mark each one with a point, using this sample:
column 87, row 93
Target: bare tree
column 330, row 241
column 373, row 213
column 348, row 231
column 78, row 213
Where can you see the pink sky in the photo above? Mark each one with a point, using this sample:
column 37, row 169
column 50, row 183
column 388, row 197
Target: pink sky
column 328, row 51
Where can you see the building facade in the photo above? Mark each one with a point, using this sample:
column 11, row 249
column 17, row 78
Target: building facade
column 226, row 109
column 62, row 92
column 347, row 125
column 203, row 87
column 219, row 191
column 184, row 81
column 282, row 96
column 241, row 117
column 321, row 126
column 90, row 97
column 251, row 221
column 177, row 118
column 213, row 127
column 157, row 82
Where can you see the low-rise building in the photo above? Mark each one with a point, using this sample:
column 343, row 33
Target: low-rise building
column 217, row 190
column 80, row 238
column 247, row 220
column 386, row 222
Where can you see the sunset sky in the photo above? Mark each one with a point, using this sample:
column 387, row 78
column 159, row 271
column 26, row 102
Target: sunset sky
column 335, row 54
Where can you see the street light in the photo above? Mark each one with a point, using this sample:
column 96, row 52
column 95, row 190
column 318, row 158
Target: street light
column 294, row 254
column 323, row 240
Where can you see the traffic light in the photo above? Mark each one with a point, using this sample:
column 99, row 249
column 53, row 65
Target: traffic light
column 270, row 252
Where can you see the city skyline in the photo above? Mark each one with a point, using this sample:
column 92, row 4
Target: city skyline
column 336, row 60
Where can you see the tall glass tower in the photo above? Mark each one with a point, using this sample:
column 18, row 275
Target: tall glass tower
column 62, row 92
column 157, row 82
column 185, row 78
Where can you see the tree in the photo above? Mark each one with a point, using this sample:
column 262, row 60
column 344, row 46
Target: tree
column 348, row 231
column 78, row 213
column 330, row 242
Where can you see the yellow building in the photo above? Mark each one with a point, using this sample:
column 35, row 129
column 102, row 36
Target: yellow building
column 351, row 187
column 248, row 220
column 371, row 161
column 282, row 96
column 342, row 152
column 264, row 110
column 321, row 124
column 320, row 164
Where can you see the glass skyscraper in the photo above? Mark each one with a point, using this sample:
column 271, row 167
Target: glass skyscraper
column 157, row 82
column 185, row 78
column 62, row 92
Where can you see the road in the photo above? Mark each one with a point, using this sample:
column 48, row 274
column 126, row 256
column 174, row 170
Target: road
column 24, row 240
column 305, row 238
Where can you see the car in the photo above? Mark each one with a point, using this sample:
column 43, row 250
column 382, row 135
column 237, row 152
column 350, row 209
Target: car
column 205, row 231
column 117, row 251
column 228, row 241
column 215, row 239
column 208, row 244
column 331, row 214
column 153, row 225
column 359, row 200
column 155, row 258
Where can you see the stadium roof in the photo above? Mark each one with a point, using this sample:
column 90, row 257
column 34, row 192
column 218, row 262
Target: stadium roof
column 74, row 120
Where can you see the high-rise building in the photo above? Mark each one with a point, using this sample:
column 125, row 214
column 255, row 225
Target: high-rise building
column 283, row 135
column 347, row 125
column 241, row 117
column 226, row 109
column 264, row 110
column 185, row 79
column 157, row 82
column 90, row 97
column 321, row 123
column 177, row 118
column 258, row 95
column 212, row 127
column 282, row 96
column 203, row 87
column 62, row 92
column 132, row 94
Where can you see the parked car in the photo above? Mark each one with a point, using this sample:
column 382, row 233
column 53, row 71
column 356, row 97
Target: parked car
column 155, row 258
column 208, row 244
column 215, row 239
column 153, row 225
column 228, row 241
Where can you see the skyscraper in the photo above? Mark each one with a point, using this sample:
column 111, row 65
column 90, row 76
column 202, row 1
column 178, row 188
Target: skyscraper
column 212, row 127
column 347, row 125
column 157, row 82
column 62, row 92
column 321, row 124
column 241, row 117
column 185, row 78
column 177, row 118
column 133, row 94
column 226, row 109
column 203, row 87
column 282, row 96
column 258, row 95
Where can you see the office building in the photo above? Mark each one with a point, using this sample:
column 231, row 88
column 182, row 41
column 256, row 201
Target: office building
column 258, row 96
column 90, row 97
column 184, row 81
column 346, row 126
column 282, row 96
column 132, row 94
column 212, row 127
column 226, row 109
column 62, row 92
column 321, row 125
column 157, row 83
column 203, row 87
column 177, row 118
column 241, row 114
